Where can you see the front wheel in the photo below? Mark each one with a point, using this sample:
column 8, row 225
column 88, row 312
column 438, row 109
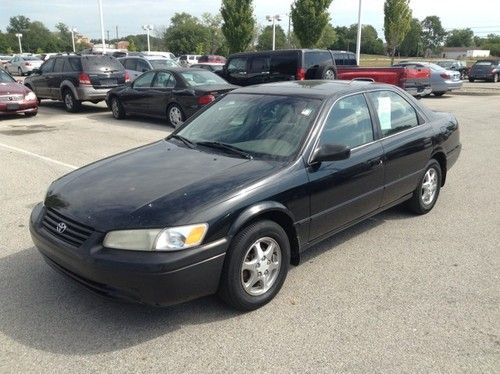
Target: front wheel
column 117, row 108
column 175, row 115
column 70, row 103
column 495, row 78
column 426, row 194
column 256, row 266
column 471, row 80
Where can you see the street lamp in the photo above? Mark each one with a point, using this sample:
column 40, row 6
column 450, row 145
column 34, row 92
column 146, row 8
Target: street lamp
column 19, row 36
column 148, row 28
column 274, row 19
column 102, row 27
column 73, row 30
column 358, row 42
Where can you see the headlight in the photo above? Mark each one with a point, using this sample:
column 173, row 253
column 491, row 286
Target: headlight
column 30, row 96
column 170, row 239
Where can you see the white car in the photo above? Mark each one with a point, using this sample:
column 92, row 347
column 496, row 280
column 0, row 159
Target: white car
column 188, row 60
column 22, row 65
column 168, row 55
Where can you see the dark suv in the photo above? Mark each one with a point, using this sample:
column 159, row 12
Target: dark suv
column 76, row 78
column 488, row 70
column 248, row 68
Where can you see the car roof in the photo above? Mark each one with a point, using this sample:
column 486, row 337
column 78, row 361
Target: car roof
column 179, row 69
column 312, row 88
column 277, row 52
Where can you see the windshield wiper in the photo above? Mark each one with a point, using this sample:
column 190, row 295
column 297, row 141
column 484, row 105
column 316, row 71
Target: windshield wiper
column 186, row 141
column 227, row 147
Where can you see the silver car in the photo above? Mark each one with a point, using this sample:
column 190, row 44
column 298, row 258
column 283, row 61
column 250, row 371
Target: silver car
column 136, row 65
column 442, row 80
column 22, row 65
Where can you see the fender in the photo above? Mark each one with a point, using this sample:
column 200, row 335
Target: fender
column 256, row 210
column 68, row 84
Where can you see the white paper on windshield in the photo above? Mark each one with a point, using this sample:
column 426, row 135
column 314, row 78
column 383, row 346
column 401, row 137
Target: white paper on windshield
column 384, row 112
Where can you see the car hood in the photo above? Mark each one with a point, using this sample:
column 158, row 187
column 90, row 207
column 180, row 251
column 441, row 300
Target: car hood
column 158, row 185
column 12, row 88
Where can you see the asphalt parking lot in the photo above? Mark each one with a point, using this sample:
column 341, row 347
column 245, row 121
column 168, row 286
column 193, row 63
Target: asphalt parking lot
column 397, row 293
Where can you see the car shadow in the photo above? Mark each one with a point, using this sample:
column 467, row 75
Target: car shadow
column 86, row 107
column 135, row 121
column 41, row 309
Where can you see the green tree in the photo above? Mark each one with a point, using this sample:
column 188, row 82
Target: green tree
column 370, row 42
column 216, row 42
column 310, row 17
column 328, row 38
column 186, row 34
column 131, row 45
column 346, row 39
column 412, row 44
column 18, row 24
column 397, row 20
column 460, row 38
column 265, row 40
column 238, row 24
column 433, row 33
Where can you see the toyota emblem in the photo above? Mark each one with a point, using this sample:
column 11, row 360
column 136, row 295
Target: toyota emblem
column 61, row 227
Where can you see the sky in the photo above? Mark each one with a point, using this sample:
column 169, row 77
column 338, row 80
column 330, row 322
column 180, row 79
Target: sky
column 482, row 16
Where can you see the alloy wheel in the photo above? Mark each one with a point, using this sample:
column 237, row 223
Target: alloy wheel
column 175, row 116
column 330, row 74
column 68, row 100
column 429, row 186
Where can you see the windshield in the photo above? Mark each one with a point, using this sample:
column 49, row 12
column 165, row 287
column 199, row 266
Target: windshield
column 5, row 77
column 201, row 78
column 436, row 67
column 265, row 126
column 163, row 63
column 31, row 58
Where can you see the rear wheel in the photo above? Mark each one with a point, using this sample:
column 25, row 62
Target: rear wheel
column 438, row 94
column 326, row 72
column 471, row 80
column 117, row 108
column 256, row 266
column 70, row 103
column 31, row 114
column 426, row 194
column 175, row 115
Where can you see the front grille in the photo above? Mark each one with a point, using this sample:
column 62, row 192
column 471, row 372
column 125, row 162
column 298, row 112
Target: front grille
column 65, row 228
column 7, row 98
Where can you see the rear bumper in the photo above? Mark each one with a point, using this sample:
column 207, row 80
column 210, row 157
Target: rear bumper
column 89, row 93
column 146, row 277
column 447, row 86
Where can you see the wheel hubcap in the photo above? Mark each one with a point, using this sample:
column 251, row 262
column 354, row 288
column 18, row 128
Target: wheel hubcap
column 175, row 116
column 261, row 266
column 68, row 100
column 329, row 74
column 429, row 186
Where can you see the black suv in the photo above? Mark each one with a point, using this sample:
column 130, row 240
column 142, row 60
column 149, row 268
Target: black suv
column 76, row 78
column 248, row 68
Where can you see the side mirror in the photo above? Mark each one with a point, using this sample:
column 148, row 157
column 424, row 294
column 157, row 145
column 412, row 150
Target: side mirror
column 331, row 152
column 35, row 71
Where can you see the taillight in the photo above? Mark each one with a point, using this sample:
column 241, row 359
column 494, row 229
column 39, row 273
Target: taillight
column 27, row 64
column 301, row 74
column 84, row 78
column 127, row 77
column 445, row 76
column 206, row 99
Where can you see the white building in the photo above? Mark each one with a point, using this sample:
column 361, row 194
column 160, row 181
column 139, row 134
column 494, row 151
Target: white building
column 464, row 52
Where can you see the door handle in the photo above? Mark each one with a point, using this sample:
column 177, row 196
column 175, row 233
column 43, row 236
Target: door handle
column 375, row 163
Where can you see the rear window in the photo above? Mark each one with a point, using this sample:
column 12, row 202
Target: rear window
column 284, row 64
column 202, row 78
column 101, row 63
column 163, row 64
column 73, row 64
column 484, row 63
column 317, row 59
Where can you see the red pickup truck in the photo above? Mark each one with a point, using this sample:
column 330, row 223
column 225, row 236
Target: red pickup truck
column 414, row 81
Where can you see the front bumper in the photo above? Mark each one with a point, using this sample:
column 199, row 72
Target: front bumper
column 16, row 107
column 155, row 278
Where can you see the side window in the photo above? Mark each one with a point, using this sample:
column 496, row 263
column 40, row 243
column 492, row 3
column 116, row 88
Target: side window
column 284, row 64
column 259, row 65
column 73, row 64
column 350, row 59
column 237, row 65
column 163, row 80
column 47, row 66
column 339, row 59
column 142, row 66
column 394, row 113
column 129, row 64
column 349, row 123
column 145, row 80
column 58, row 65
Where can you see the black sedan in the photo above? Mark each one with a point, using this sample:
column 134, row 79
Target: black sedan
column 175, row 93
column 231, row 198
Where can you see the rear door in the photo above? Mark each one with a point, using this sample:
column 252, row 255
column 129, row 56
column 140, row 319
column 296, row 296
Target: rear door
column 343, row 191
column 137, row 97
column 406, row 139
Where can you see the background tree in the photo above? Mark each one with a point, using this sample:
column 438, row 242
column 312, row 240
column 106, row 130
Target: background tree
column 186, row 34
column 346, row 39
column 370, row 42
column 412, row 44
column 397, row 19
column 460, row 38
column 328, row 38
column 18, row 24
column 310, row 17
column 216, row 42
column 131, row 45
column 265, row 39
column 433, row 33
column 238, row 24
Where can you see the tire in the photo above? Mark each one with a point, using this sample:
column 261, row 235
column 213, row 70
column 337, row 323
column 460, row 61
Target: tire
column 421, row 202
column 471, row 80
column 20, row 72
column 32, row 114
column 70, row 103
column 496, row 78
column 175, row 115
column 326, row 72
column 439, row 94
column 117, row 108
column 250, row 288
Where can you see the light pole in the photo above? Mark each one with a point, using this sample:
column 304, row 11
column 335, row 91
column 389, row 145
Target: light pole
column 148, row 28
column 273, row 19
column 19, row 36
column 73, row 30
column 102, row 27
column 358, row 43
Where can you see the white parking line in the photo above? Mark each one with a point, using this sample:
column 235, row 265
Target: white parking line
column 38, row 156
